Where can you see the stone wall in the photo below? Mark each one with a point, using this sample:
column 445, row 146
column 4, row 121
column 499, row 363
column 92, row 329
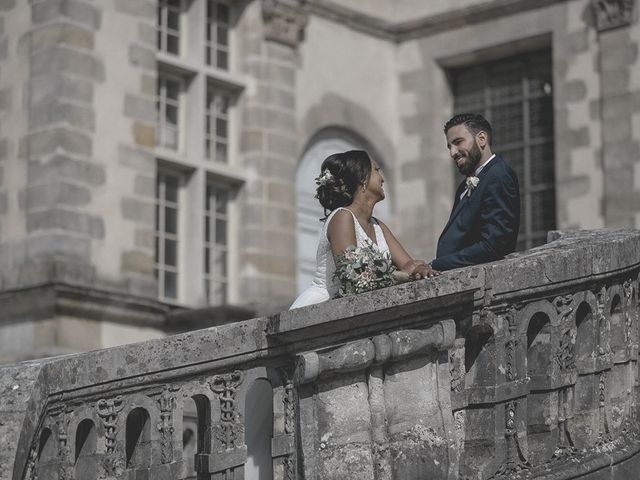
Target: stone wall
column 522, row 368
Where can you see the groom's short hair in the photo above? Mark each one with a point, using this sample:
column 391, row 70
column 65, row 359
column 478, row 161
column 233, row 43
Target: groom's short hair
column 474, row 122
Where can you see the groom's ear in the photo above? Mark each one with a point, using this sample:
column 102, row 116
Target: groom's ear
column 482, row 138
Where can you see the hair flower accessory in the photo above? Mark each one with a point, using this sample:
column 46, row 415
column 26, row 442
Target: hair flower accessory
column 325, row 177
column 472, row 183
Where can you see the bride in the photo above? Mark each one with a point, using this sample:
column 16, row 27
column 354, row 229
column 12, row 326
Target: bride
column 349, row 186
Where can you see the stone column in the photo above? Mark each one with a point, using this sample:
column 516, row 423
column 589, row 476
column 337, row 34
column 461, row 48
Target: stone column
column 268, row 150
column 619, row 85
column 379, row 408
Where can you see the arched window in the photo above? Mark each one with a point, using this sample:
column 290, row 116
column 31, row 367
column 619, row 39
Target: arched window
column 86, row 461
column 258, row 431
column 309, row 211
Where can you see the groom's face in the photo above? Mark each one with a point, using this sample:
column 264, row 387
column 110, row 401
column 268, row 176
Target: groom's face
column 463, row 149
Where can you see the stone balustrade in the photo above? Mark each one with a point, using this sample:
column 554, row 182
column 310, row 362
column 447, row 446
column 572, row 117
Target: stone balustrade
column 523, row 368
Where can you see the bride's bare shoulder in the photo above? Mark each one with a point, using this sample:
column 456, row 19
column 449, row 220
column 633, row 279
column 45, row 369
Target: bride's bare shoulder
column 339, row 222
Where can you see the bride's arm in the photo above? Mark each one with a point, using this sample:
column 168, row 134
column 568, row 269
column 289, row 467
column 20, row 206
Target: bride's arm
column 341, row 232
column 401, row 259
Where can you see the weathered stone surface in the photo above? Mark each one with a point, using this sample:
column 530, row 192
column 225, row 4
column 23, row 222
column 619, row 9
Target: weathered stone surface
column 544, row 384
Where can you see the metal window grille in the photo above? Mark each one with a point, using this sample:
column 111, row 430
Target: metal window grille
column 217, row 41
column 166, row 234
column 515, row 95
column 216, row 244
column 216, row 136
column 168, row 109
column 169, row 15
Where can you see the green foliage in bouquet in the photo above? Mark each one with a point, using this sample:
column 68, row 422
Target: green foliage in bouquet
column 362, row 269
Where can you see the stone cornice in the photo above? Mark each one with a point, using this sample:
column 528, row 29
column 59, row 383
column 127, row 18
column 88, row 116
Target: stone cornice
column 47, row 300
column 424, row 26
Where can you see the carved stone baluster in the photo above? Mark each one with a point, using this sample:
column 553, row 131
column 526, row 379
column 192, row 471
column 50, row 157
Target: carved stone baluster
column 64, row 452
column 229, row 433
column 514, row 457
column 283, row 443
column 167, row 404
column 113, row 463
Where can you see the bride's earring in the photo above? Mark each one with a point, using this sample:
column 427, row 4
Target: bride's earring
column 364, row 187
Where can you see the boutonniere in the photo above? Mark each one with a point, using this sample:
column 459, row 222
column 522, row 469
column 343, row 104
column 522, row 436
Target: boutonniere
column 472, row 183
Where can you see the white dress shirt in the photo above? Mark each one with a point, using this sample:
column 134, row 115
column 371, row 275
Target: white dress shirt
column 478, row 170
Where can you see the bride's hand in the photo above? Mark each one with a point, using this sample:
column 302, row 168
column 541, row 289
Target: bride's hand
column 424, row 271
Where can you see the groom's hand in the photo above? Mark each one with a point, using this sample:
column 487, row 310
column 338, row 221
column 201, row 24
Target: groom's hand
column 425, row 271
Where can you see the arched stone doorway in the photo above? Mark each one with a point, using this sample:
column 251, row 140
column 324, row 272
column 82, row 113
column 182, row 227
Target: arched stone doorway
column 308, row 210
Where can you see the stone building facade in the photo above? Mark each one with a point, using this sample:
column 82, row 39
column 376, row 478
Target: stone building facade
column 157, row 156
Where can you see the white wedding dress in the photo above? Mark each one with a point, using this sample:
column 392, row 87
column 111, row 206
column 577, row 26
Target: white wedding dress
column 324, row 286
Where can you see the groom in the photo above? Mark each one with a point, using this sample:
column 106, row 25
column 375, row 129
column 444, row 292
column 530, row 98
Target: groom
column 484, row 221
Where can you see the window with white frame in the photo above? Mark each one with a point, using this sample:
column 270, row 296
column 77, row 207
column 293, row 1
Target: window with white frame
column 196, row 87
column 169, row 17
column 168, row 109
column 217, row 125
column 166, row 234
column 216, row 243
column 218, row 27
column 515, row 94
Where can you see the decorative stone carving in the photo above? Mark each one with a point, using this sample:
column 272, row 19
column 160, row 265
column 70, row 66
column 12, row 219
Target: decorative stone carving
column 511, row 369
column 230, row 431
column 604, row 435
column 565, row 446
column 456, row 370
column 628, row 330
column 565, row 355
column 611, row 14
column 64, row 452
column 601, row 303
column 108, row 411
column 284, row 21
column 167, row 404
column 515, row 460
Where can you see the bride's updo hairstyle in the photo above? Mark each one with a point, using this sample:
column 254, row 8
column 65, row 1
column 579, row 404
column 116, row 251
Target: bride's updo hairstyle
column 340, row 176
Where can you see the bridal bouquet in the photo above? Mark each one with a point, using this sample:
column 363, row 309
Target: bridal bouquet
column 362, row 269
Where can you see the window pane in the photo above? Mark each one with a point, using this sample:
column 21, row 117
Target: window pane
column 173, row 89
column 221, row 232
column 221, row 202
column 221, row 152
column 171, row 115
column 507, row 124
column 156, row 249
column 223, row 60
column 223, row 36
column 541, row 117
column 207, row 253
column 170, row 220
column 207, row 147
column 220, row 263
column 170, row 136
column 170, row 285
column 223, row 14
column 173, row 20
column 542, row 166
column 515, row 159
column 543, row 211
column 170, row 252
column 171, row 188
column 173, row 44
column 506, row 82
column 221, row 127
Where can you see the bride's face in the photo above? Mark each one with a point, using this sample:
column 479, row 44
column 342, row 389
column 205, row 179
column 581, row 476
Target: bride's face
column 376, row 181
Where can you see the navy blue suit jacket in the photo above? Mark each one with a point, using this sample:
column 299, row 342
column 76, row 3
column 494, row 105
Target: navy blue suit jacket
column 482, row 227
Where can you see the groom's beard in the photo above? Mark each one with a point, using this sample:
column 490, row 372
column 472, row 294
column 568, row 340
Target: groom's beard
column 472, row 161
